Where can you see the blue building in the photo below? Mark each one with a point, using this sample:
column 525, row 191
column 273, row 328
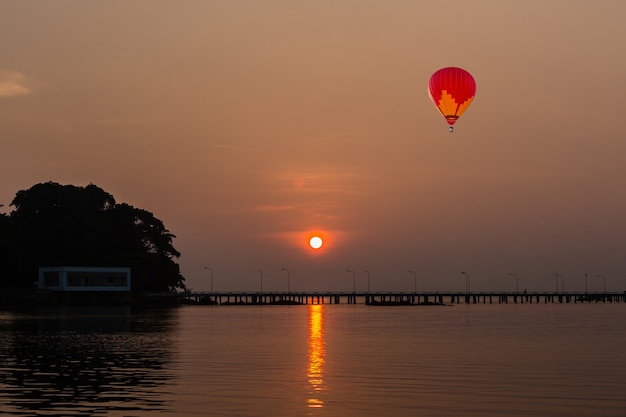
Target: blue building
column 84, row 278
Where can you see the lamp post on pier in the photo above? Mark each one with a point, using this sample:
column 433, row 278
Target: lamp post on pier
column 603, row 283
column 353, row 279
column 414, row 281
column 368, row 280
column 467, row 282
column 211, row 270
column 261, row 285
column 288, row 280
column 556, row 280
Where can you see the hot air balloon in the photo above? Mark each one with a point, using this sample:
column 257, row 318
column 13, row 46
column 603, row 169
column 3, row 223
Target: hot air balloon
column 452, row 90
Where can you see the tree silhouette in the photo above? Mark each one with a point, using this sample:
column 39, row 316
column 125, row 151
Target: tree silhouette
column 67, row 225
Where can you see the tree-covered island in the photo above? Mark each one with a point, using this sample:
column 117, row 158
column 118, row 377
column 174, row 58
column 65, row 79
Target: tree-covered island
column 65, row 225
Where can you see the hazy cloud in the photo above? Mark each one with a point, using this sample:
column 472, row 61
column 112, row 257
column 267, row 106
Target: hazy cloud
column 273, row 208
column 230, row 146
column 13, row 83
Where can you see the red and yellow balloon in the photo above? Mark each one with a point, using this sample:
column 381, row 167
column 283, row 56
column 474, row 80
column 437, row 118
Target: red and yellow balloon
column 452, row 90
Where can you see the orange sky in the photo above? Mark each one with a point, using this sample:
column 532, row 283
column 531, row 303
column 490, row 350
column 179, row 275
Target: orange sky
column 245, row 125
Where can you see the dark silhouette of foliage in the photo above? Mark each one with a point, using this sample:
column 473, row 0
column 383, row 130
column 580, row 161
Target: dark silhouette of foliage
column 6, row 252
column 66, row 225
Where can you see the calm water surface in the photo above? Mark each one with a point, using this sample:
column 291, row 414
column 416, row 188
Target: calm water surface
column 323, row 360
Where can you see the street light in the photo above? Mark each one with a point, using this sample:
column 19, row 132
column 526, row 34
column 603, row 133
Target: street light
column 353, row 279
column 586, row 277
column 210, row 269
column 556, row 280
column 414, row 281
column 516, row 281
column 368, row 280
column 604, row 283
column 467, row 282
column 261, row 272
column 288, row 280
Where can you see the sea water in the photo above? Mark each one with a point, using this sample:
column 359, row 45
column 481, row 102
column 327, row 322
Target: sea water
column 316, row 360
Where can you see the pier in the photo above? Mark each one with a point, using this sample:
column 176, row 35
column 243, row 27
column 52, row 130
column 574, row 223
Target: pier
column 383, row 298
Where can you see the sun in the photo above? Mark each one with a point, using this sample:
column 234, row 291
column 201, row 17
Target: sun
column 316, row 242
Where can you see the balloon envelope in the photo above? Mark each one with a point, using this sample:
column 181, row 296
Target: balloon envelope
column 452, row 90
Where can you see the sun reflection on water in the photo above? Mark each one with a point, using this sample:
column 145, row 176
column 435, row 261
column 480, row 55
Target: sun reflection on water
column 316, row 355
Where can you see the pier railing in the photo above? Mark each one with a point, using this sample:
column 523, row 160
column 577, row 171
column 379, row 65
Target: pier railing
column 383, row 298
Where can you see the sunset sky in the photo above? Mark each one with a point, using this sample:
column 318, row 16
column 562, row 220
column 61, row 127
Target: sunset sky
column 248, row 125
